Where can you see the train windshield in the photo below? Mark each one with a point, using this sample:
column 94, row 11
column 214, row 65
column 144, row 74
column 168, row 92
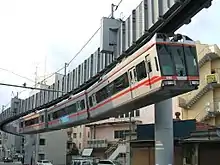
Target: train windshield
column 177, row 60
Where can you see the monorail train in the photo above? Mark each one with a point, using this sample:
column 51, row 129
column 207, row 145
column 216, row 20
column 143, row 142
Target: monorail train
column 163, row 68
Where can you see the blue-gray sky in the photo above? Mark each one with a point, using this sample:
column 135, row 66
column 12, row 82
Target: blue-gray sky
column 34, row 33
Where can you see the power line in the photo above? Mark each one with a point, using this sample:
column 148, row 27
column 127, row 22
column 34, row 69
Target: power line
column 20, row 86
column 92, row 35
column 117, row 6
column 16, row 74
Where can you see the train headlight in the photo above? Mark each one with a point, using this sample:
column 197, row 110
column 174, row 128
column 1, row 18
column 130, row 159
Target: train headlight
column 168, row 82
column 195, row 82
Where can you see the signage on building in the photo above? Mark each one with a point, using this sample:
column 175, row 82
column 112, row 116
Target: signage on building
column 211, row 78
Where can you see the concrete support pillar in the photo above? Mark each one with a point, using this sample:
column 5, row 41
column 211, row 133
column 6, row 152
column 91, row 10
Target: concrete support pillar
column 164, row 133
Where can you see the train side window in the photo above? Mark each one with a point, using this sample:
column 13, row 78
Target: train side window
column 21, row 124
column 110, row 88
column 130, row 74
column 72, row 108
column 78, row 105
column 49, row 119
column 42, row 118
column 94, row 98
column 90, row 101
column 149, row 67
column 121, row 83
column 101, row 95
column 82, row 104
column 156, row 63
column 141, row 71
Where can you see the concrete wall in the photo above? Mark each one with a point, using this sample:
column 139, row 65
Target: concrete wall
column 55, row 146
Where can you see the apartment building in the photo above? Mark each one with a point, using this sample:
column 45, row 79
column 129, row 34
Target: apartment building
column 82, row 135
column 79, row 135
column 51, row 146
column 204, row 104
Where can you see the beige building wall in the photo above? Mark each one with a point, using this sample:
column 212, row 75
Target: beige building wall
column 203, row 104
column 80, row 136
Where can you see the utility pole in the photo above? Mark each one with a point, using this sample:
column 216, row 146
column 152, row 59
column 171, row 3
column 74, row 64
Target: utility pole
column 130, row 125
column 112, row 11
column 65, row 77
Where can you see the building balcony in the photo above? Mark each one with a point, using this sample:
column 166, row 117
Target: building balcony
column 211, row 81
column 97, row 143
column 210, row 110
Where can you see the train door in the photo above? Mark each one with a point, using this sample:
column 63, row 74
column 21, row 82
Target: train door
column 132, row 80
column 149, row 71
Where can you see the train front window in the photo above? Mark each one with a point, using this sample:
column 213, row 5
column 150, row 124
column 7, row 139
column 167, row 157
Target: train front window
column 166, row 61
column 179, row 60
column 191, row 60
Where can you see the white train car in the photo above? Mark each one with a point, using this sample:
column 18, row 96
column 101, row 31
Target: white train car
column 163, row 68
column 32, row 123
column 72, row 110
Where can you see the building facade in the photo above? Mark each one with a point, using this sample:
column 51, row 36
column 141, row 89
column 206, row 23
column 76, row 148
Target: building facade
column 203, row 104
column 51, row 146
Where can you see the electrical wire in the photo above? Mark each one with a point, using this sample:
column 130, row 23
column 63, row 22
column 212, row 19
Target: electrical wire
column 50, row 75
column 117, row 6
column 91, row 36
column 16, row 74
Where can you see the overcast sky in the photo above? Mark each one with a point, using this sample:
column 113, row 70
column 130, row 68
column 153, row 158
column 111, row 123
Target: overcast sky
column 39, row 33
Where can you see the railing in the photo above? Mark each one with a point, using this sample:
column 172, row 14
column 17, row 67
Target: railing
column 113, row 147
column 210, row 78
column 210, row 109
column 97, row 143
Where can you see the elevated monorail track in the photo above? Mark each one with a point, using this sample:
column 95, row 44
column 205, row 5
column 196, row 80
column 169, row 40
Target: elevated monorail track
column 178, row 15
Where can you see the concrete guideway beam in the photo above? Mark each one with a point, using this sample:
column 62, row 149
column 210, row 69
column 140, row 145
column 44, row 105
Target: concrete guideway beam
column 164, row 133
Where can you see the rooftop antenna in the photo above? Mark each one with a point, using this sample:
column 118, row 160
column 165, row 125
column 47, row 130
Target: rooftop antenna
column 45, row 68
column 35, row 81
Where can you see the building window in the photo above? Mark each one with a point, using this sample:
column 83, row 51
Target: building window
column 121, row 134
column 79, row 145
column 137, row 112
column 41, row 156
column 42, row 141
column 80, row 135
column 69, row 145
column 74, row 135
column 127, row 115
column 88, row 135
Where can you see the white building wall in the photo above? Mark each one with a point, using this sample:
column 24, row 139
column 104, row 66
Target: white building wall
column 55, row 146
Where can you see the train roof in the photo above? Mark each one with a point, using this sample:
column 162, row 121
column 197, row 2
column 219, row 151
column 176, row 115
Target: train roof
column 120, row 65
column 63, row 101
column 30, row 116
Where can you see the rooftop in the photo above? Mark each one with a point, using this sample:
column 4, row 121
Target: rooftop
column 114, row 121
